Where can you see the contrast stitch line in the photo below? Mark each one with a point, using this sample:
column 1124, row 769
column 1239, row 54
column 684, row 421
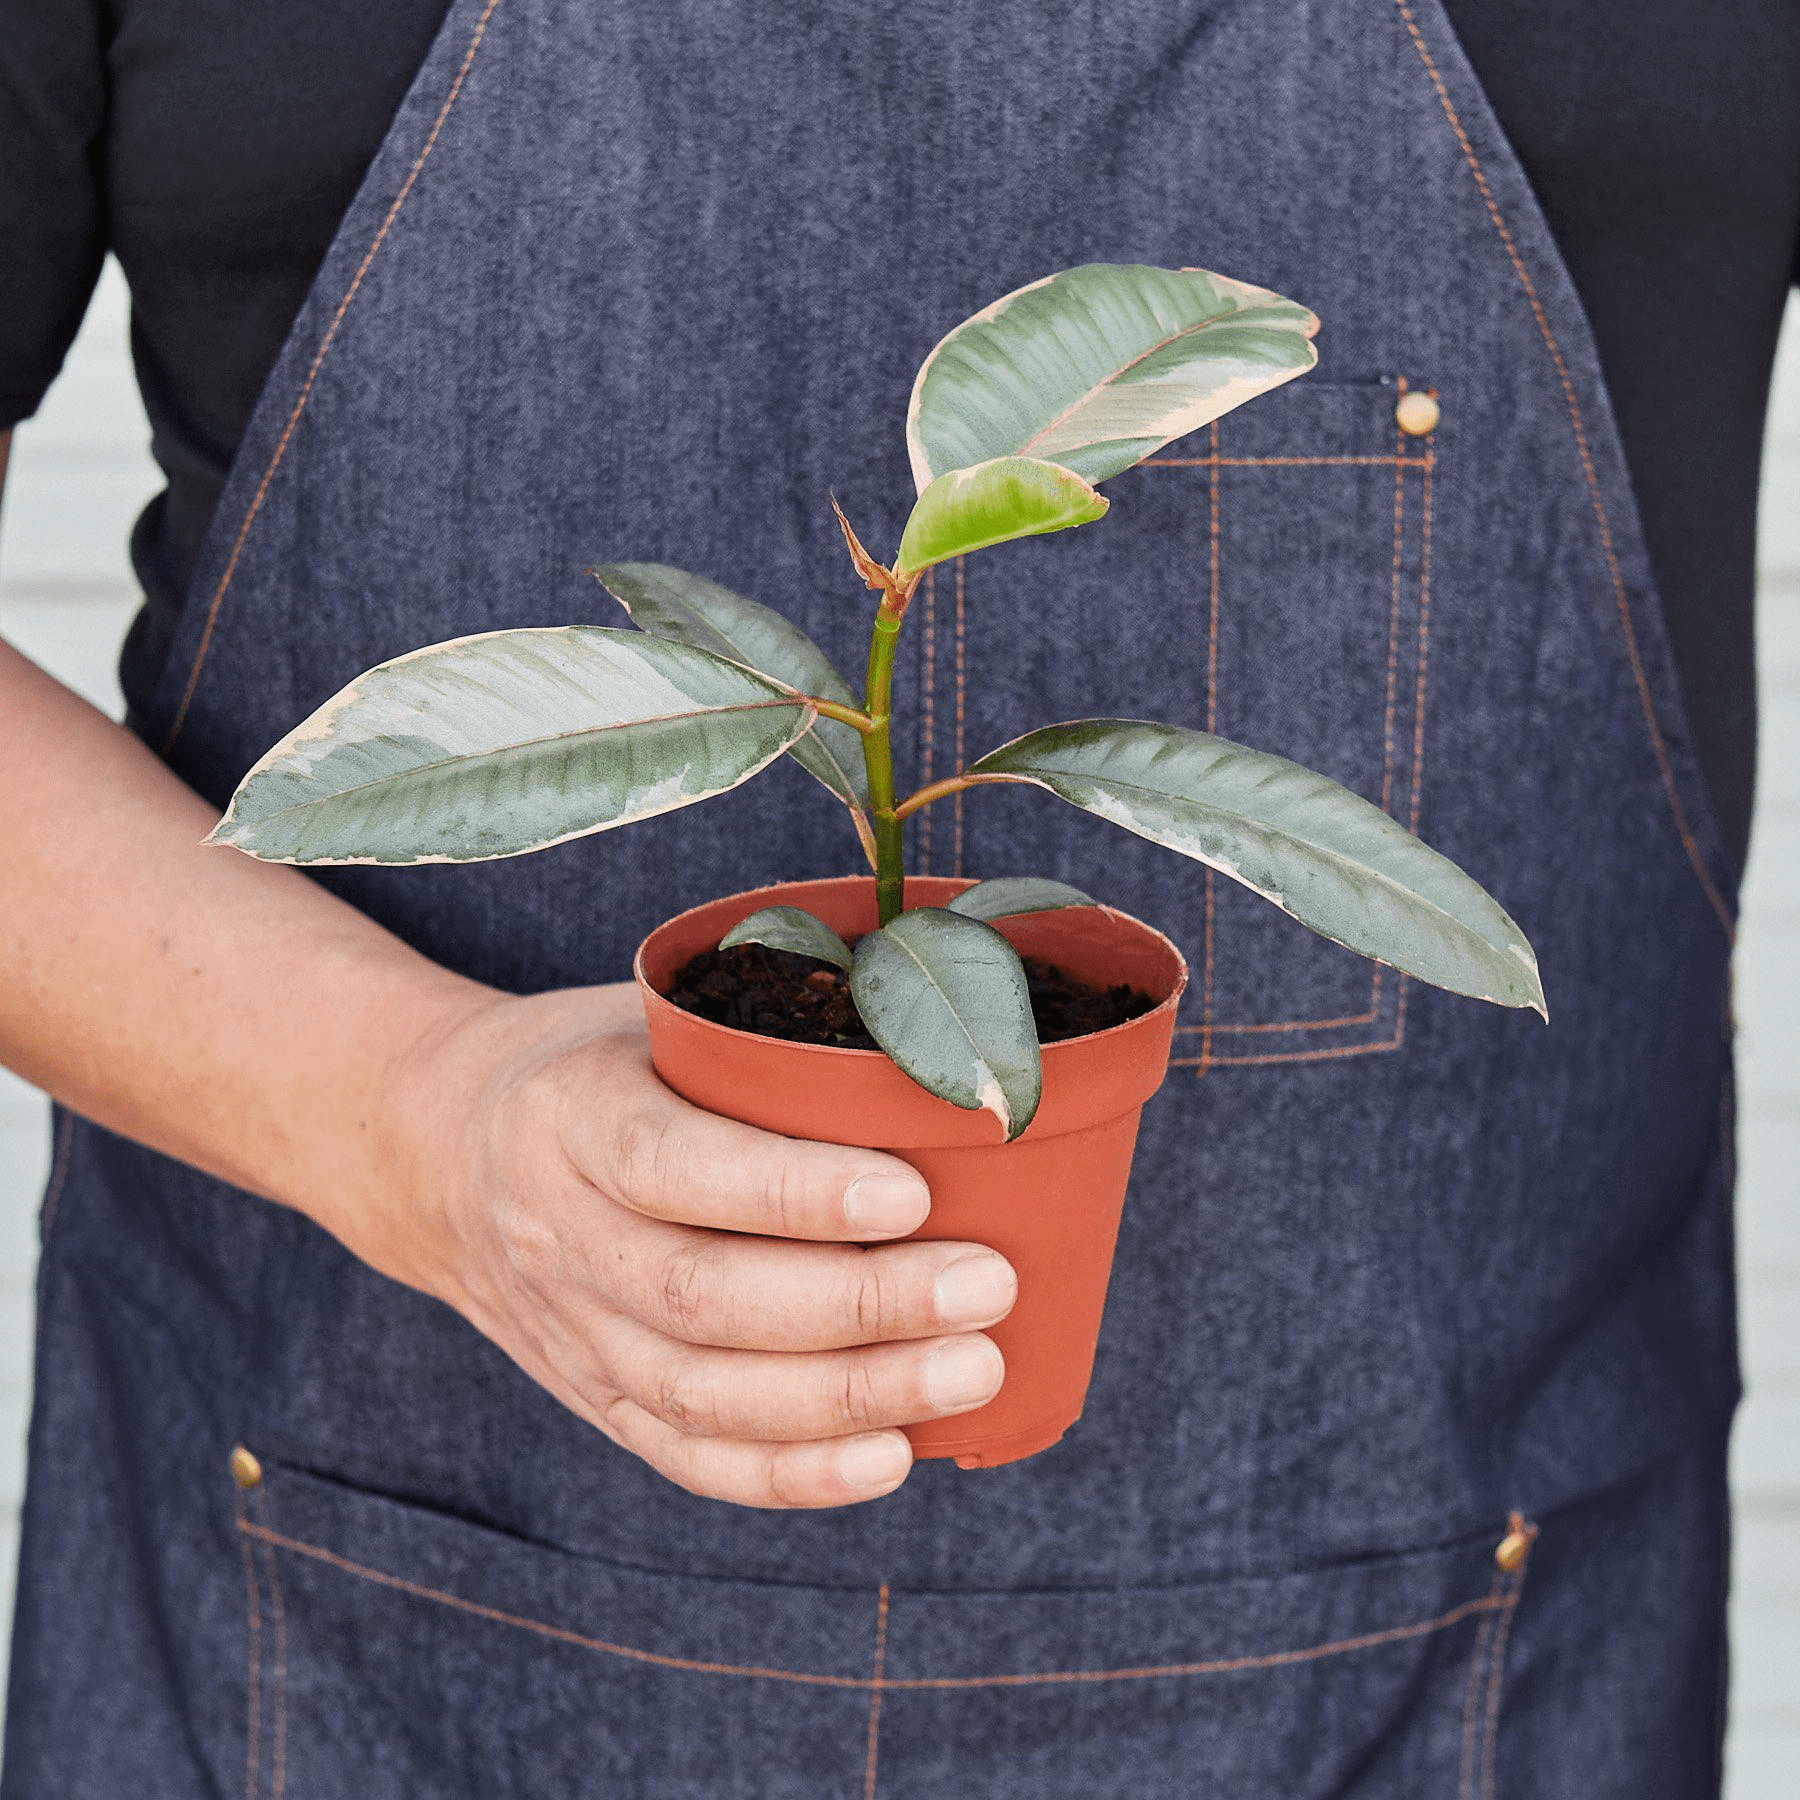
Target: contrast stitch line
column 278, row 1774
column 537, row 1626
column 253, row 1661
column 1465, row 1787
column 1496, row 1676
column 1212, row 714
column 961, row 671
column 881, row 1623
column 1361, row 1018
column 1282, row 462
column 1293, row 1056
column 1393, row 662
column 1620, row 597
column 1054, row 1677
column 928, row 769
column 1418, row 768
column 1222, row 1666
column 312, row 373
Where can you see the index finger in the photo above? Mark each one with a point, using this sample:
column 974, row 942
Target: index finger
column 667, row 1159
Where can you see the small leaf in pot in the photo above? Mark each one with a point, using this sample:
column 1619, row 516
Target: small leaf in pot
column 1006, row 896
column 946, row 997
column 790, row 928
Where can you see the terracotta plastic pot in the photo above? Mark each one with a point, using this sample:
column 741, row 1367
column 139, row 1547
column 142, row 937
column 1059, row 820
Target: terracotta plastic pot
column 1049, row 1202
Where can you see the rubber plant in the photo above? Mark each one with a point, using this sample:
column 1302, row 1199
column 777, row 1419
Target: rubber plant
column 509, row 741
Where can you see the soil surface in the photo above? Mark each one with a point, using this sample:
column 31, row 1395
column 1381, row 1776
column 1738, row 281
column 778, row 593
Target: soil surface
column 777, row 994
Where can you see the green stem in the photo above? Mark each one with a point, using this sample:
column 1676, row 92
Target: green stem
column 878, row 760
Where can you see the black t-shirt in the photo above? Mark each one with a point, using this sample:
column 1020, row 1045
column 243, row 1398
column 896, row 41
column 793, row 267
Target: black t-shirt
column 213, row 145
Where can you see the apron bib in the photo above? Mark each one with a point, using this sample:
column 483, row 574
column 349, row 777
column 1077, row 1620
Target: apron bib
column 643, row 283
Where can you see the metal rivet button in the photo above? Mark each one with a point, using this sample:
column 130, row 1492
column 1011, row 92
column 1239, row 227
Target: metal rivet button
column 1510, row 1553
column 1417, row 414
column 246, row 1471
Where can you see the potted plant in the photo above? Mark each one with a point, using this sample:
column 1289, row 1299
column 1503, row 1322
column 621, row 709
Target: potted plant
column 509, row 741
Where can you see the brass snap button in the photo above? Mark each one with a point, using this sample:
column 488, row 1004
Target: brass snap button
column 1417, row 414
column 1510, row 1553
column 246, row 1471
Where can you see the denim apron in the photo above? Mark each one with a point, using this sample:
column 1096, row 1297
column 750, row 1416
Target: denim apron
column 1401, row 1468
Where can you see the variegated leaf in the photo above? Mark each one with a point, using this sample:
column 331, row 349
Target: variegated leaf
column 790, row 928
column 689, row 609
column 1318, row 851
column 1006, row 896
column 509, row 741
column 1100, row 366
column 946, row 998
column 992, row 503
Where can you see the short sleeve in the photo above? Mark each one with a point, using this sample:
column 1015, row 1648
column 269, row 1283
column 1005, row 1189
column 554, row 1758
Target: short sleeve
column 52, row 231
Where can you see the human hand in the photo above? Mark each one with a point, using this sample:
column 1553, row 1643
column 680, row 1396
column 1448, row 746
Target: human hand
column 697, row 1289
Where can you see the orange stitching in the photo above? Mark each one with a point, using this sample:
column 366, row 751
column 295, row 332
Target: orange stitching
column 554, row 1632
column 881, row 1620
column 1212, row 714
column 928, row 762
column 1223, row 1666
column 1287, row 1056
column 1281, row 462
column 61, row 1157
column 278, row 1777
column 1362, row 1018
column 957, row 803
column 1393, row 668
column 312, row 373
column 1465, row 1787
column 253, row 1660
column 1496, row 1674
column 1418, row 768
column 1620, row 598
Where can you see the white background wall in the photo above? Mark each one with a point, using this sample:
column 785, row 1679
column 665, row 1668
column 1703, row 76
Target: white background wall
column 81, row 471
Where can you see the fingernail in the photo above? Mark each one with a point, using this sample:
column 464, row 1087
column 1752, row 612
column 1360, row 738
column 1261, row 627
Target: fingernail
column 874, row 1462
column 885, row 1205
column 961, row 1373
column 976, row 1291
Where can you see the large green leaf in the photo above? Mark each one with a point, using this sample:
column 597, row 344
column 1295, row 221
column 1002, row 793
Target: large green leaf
column 493, row 745
column 946, row 998
column 992, row 503
column 1008, row 895
column 1100, row 366
column 1297, row 838
column 790, row 928
column 689, row 609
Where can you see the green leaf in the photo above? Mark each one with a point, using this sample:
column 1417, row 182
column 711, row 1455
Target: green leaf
column 510, row 741
column 689, row 609
column 992, row 503
column 946, row 998
column 1318, row 851
column 790, row 928
column 1008, row 895
column 1100, row 366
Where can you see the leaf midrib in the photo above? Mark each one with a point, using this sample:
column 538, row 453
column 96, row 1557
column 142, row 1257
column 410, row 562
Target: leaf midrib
column 479, row 757
column 1074, row 405
column 1294, row 837
column 938, row 987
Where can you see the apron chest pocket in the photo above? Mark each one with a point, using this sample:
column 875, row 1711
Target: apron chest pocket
column 1267, row 578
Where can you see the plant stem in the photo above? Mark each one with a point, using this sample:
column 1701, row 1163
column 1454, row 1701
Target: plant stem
column 920, row 798
column 845, row 715
column 878, row 760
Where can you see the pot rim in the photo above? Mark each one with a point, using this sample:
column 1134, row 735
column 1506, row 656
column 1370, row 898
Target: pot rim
column 737, row 1034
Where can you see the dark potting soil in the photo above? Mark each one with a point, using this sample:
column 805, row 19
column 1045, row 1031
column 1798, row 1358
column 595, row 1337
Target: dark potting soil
column 777, row 994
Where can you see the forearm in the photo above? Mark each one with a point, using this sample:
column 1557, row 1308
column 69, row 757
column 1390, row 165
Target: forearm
column 228, row 1012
